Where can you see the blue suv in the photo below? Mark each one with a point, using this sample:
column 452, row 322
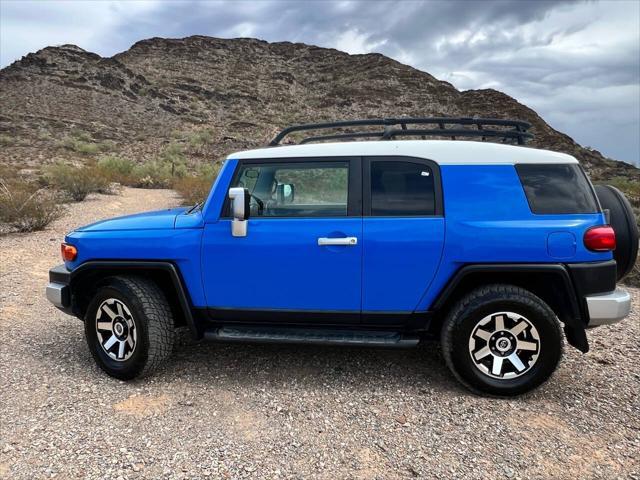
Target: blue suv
column 496, row 249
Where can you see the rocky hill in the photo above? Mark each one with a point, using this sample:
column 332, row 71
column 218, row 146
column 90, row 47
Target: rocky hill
column 240, row 92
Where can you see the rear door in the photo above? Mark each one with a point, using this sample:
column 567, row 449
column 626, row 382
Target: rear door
column 403, row 233
column 302, row 256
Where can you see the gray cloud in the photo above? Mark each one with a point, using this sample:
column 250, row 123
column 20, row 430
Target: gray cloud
column 576, row 63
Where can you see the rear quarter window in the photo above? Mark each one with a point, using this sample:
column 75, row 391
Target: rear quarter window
column 557, row 188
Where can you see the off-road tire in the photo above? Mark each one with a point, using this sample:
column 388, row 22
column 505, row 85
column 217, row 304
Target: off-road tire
column 463, row 318
column 623, row 222
column 153, row 321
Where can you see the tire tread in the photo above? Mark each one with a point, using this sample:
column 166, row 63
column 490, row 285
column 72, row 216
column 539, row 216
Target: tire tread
column 474, row 300
column 160, row 321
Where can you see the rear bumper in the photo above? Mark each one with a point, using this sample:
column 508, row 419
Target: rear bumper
column 58, row 291
column 608, row 308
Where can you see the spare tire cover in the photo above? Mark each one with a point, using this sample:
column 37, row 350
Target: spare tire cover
column 623, row 222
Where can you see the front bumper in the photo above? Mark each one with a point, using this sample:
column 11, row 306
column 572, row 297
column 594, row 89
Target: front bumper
column 58, row 291
column 608, row 308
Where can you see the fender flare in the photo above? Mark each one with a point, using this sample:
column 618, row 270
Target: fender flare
column 142, row 266
column 575, row 317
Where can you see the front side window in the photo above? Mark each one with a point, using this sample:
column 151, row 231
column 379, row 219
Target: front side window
column 401, row 189
column 300, row 189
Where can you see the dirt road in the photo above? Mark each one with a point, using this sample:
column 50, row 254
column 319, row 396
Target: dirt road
column 236, row 411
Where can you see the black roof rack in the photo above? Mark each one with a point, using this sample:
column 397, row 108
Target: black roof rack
column 444, row 127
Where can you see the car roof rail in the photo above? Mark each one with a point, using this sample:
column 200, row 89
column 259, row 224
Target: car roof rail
column 452, row 127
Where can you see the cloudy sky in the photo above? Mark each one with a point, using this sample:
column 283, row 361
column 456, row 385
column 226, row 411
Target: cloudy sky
column 576, row 63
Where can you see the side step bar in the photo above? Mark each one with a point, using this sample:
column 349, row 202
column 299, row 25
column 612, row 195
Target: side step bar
column 311, row 336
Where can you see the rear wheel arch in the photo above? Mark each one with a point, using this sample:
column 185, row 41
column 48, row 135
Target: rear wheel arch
column 89, row 277
column 551, row 283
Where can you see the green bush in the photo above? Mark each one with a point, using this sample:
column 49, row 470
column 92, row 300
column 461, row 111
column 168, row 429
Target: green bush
column 83, row 143
column 201, row 139
column 154, row 174
column 118, row 169
column 7, row 140
column 77, row 182
column 25, row 208
column 174, row 156
column 159, row 173
column 80, row 146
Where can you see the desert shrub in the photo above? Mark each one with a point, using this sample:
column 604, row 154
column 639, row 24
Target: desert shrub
column 80, row 146
column 7, row 140
column 83, row 143
column 195, row 188
column 107, row 146
column 118, row 169
column 26, row 208
column 154, row 174
column 160, row 173
column 77, row 182
column 8, row 172
column 201, row 139
column 173, row 155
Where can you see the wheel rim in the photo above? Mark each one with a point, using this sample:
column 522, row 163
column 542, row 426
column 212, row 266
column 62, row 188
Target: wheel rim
column 504, row 345
column 116, row 329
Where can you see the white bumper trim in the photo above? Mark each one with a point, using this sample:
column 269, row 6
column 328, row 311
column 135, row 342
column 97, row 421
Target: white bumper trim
column 608, row 308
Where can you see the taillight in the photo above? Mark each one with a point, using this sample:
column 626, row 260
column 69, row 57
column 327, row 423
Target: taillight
column 600, row 239
column 69, row 252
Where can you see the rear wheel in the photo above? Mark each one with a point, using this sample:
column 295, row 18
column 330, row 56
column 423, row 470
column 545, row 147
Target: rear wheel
column 129, row 327
column 502, row 340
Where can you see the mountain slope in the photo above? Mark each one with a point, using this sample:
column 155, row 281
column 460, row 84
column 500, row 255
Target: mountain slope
column 242, row 90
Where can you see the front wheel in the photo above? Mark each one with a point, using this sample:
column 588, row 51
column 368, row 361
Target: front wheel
column 502, row 340
column 129, row 327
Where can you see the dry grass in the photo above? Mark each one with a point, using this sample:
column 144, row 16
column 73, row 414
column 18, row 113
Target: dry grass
column 26, row 208
column 195, row 188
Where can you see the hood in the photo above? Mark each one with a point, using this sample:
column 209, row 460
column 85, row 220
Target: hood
column 159, row 219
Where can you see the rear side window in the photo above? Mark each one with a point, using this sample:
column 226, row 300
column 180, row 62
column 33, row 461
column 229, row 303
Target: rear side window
column 401, row 189
column 557, row 188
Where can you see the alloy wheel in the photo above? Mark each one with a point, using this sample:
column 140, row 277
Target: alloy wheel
column 504, row 345
column 116, row 329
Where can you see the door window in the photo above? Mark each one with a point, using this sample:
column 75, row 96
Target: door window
column 297, row 189
column 402, row 189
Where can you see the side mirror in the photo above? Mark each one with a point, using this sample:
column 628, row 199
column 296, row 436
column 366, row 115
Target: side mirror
column 239, row 210
column 285, row 193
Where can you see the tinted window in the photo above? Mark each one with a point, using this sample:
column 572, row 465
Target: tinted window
column 401, row 189
column 300, row 189
column 557, row 189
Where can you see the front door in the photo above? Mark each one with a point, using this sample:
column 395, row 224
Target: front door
column 301, row 258
column 403, row 233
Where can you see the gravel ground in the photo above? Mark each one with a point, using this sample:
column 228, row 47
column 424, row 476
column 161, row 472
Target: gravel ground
column 243, row 411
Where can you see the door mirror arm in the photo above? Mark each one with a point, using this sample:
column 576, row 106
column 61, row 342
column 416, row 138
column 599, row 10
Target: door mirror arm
column 240, row 210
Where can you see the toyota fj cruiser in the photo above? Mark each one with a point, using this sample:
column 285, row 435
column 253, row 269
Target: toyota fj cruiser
column 497, row 249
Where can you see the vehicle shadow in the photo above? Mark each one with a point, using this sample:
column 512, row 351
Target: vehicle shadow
column 420, row 368
column 245, row 365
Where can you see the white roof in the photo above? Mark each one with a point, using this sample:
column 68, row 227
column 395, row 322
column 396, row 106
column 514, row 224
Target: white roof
column 444, row 152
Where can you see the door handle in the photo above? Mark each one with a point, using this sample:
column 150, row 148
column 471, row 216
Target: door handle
column 347, row 241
